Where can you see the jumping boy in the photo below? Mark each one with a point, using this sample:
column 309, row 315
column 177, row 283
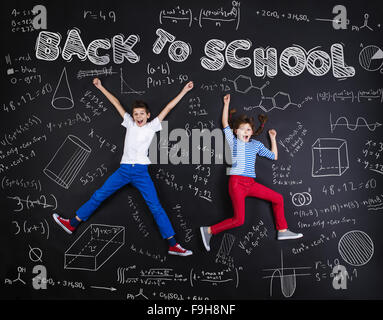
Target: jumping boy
column 133, row 167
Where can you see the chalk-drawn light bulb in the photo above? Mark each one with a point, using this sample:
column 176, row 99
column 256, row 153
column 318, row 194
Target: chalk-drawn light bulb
column 62, row 97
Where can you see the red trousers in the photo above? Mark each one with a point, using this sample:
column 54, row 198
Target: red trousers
column 241, row 187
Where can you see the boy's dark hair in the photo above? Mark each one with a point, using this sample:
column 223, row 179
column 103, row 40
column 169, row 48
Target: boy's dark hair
column 139, row 104
column 235, row 122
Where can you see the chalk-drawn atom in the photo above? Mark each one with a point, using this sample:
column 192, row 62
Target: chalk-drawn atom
column 356, row 248
column 301, row 199
column 35, row 254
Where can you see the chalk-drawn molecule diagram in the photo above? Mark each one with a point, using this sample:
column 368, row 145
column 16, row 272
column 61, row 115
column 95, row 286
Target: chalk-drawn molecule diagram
column 356, row 248
column 301, row 199
column 329, row 157
column 281, row 100
column 130, row 296
column 67, row 161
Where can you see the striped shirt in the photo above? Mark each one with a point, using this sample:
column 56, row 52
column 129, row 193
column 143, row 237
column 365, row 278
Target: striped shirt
column 244, row 154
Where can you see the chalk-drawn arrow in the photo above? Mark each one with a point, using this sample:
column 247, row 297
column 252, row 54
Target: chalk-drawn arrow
column 105, row 288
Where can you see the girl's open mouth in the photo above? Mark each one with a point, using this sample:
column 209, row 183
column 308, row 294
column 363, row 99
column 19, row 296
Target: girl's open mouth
column 139, row 122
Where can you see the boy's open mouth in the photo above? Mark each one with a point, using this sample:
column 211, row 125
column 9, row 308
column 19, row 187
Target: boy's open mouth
column 139, row 122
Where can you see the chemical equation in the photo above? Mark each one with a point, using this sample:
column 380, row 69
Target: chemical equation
column 136, row 217
column 99, row 15
column 93, row 103
column 183, row 223
column 25, row 98
column 294, row 141
column 91, row 176
column 321, row 241
column 349, row 186
column 28, row 204
column 25, row 227
column 69, row 122
column 9, row 183
column 351, row 96
column 215, row 17
column 102, row 141
column 253, row 238
column 281, row 175
column 371, row 154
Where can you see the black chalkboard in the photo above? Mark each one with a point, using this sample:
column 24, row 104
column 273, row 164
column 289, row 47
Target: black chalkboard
column 315, row 69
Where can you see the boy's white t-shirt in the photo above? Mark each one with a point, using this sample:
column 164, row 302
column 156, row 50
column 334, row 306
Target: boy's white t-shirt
column 138, row 139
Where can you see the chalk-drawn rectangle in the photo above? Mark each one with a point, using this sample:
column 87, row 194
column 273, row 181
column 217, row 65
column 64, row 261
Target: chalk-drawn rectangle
column 94, row 247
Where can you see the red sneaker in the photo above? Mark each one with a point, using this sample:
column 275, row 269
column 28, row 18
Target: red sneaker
column 177, row 250
column 63, row 223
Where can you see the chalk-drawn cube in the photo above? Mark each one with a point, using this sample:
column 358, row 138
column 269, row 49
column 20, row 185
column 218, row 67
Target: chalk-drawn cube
column 94, row 247
column 329, row 157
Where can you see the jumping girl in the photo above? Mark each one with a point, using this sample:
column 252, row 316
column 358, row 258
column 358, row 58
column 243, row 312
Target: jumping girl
column 242, row 173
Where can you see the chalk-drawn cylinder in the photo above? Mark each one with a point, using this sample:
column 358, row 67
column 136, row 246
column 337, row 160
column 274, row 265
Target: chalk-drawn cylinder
column 67, row 161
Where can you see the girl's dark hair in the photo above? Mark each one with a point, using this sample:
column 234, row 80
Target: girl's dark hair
column 235, row 122
column 140, row 104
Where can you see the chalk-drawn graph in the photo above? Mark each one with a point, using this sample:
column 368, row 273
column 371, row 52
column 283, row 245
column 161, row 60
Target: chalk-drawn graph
column 356, row 248
column 62, row 98
column 329, row 157
column 67, row 161
column 360, row 122
column 96, row 245
column 287, row 278
column 126, row 88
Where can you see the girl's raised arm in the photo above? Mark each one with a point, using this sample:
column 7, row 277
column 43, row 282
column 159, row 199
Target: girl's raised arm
column 225, row 111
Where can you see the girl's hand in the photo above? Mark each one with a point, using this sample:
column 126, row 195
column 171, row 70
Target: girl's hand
column 188, row 86
column 272, row 133
column 97, row 83
column 226, row 99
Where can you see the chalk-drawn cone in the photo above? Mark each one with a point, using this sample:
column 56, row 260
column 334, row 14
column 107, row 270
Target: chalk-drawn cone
column 62, row 98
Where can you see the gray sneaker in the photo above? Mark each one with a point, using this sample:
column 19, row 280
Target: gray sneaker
column 206, row 236
column 287, row 235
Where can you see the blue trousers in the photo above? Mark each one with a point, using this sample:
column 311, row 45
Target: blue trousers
column 138, row 176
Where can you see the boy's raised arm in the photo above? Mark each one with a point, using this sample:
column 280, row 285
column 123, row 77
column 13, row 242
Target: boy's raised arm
column 111, row 98
column 174, row 102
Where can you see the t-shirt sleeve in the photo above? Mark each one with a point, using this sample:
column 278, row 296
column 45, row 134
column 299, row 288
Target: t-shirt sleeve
column 229, row 136
column 264, row 152
column 128, row 120
column 155, row 124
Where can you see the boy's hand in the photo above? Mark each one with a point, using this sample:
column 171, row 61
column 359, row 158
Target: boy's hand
column 188, row 86
column 97, row 83
column 272, row 133
column 226, row 99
